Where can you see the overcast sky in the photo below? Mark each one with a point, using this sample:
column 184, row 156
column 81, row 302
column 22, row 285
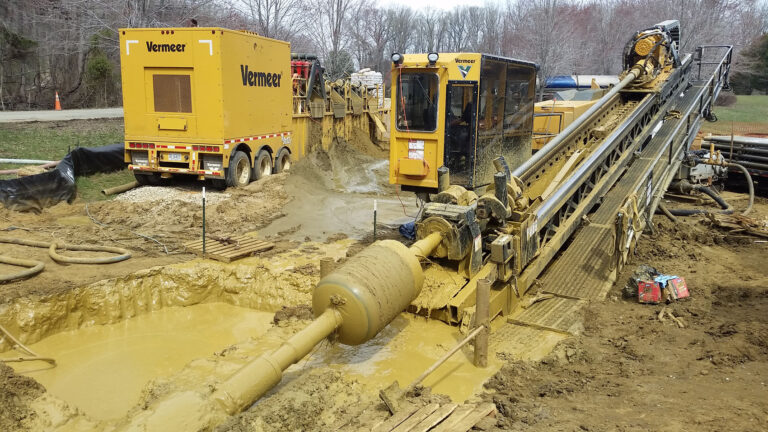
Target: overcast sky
column 435, row 4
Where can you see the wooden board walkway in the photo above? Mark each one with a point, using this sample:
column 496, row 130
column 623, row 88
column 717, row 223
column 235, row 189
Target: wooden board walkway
column 437, row 418
column 230, row 248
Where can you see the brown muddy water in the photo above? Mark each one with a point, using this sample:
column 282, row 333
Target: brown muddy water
column 103, row 369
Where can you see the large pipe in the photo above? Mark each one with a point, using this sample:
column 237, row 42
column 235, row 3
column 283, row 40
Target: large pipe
column 569, row 186
column 356, row 301
column 26, row 161
column 119, row 189
column 542, row 154
column 257, row 377
column 756, row 141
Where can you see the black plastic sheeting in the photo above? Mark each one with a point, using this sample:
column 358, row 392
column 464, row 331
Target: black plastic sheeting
column 36, row 192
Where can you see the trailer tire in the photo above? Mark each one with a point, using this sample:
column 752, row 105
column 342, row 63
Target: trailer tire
column 239, row 171
column 262, row 166
column 282, row 161
column 149, row 179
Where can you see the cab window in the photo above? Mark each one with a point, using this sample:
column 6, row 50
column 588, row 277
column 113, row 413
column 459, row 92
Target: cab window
column 417, row 102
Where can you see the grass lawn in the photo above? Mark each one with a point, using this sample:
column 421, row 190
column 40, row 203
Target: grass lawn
column 52, row 141
column 748, row 114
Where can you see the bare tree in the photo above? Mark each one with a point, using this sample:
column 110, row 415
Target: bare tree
column 273, row 18
column 401, row 23
column 371, row 35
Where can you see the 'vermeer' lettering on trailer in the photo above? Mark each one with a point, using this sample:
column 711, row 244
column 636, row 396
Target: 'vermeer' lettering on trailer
column 153, row 47
column 259, row 79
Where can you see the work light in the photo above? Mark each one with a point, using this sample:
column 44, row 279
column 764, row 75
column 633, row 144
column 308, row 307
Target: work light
column 432, row 57
column 397, row 58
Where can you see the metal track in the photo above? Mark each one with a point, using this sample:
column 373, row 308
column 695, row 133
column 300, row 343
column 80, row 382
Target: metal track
column 587, row 268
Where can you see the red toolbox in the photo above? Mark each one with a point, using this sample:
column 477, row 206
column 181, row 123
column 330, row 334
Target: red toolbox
column 677, row 288
column 648, row 292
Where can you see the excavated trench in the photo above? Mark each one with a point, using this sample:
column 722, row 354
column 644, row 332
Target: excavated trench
column 131, row 350
column 115, row 339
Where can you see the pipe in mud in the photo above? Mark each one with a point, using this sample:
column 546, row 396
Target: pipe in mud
column 357, row 300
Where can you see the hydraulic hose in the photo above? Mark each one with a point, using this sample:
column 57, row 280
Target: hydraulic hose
column 748, row 177
column 750, row 186
column 666, row 212
column 726, row 208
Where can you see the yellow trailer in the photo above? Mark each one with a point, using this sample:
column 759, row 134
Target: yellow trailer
column 227, row 105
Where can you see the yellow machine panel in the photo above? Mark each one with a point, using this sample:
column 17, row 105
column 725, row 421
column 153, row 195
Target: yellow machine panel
column 552, row 117
column 459, row 111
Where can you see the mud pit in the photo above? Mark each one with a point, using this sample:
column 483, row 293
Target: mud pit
column 102, row 369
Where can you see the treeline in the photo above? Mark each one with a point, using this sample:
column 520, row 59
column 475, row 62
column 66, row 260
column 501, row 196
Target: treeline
column 71, row 46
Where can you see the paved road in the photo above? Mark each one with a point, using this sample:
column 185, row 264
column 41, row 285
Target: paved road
column 73, row 114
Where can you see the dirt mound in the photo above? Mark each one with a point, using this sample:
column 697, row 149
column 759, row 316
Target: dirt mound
column 345, row 167
column 16, row 392
column 630, row 371
column 176, row 214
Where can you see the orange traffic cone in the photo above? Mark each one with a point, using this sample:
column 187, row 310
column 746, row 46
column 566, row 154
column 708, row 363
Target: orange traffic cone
column 57, row 105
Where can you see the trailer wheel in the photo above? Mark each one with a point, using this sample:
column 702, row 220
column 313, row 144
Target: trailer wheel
column 283, row 161
column 239, row 171
column 263, row 165
column 148, row 179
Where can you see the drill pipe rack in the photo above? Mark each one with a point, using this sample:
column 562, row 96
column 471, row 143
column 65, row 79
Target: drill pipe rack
column 628, row 148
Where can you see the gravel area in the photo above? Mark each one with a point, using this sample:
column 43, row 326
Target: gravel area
column 163, row 193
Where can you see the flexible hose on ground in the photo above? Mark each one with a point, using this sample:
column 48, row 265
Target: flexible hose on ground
column 35, row 267
column 666, row 212
column 52, row 246
column 726, row 208
column 124, row 254
column 119, row 189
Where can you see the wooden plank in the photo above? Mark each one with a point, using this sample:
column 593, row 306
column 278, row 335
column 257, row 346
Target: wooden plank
column 416, row 418
column 473, row 417
column 247, row 252
column 394, row 420
column 246, row 246
column 210, row 246
column 215, row 245
column 434, row 418
column 456, row 416
column 233, row 241
column 243, row 246
column 210, row 240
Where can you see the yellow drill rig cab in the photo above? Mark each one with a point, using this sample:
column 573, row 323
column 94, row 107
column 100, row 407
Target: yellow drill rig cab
column 458, row 111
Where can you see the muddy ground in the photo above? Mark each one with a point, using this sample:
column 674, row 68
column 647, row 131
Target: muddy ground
column 152, row 222
column 630, row 371
column 626, row 371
